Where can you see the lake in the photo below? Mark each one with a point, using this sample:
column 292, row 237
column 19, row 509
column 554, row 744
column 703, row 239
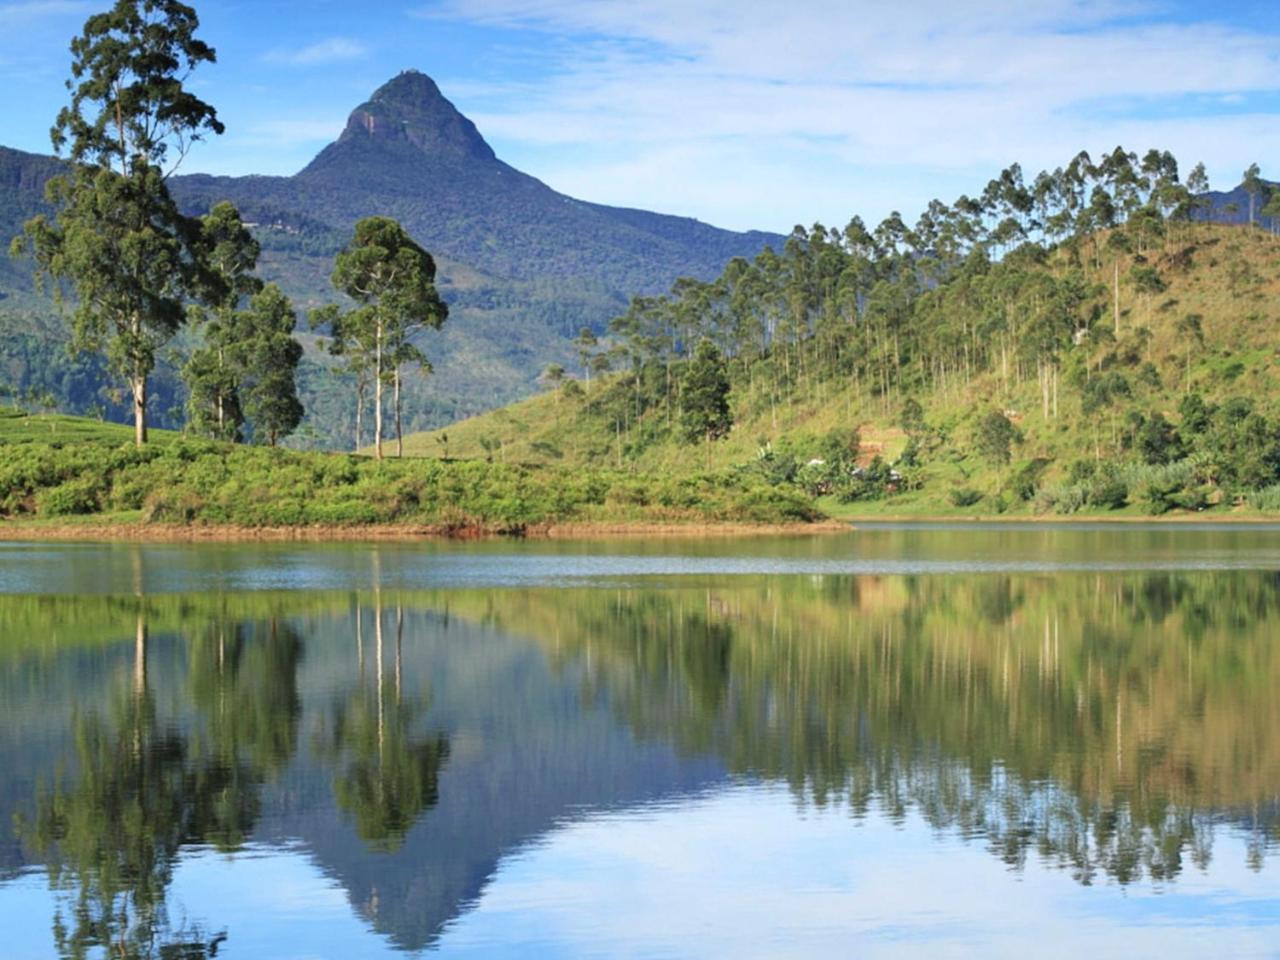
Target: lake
column 908, row 740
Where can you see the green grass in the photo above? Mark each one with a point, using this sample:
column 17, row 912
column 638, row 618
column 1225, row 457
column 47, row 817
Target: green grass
column 17, row 426
column 92, row 473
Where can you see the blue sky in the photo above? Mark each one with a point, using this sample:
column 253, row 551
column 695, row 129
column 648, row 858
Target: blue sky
column 742, row 113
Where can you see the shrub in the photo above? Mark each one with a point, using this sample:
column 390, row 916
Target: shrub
column 78, row 496
column 628, row 493
column 220, row 483
column 128, row 494
column 1266, row 500
column 176, row 505
column 870, row 483
column 1110, row 492
column 1082, row 471
column 1026, row 480
column 964, row 497
column 1071, row 499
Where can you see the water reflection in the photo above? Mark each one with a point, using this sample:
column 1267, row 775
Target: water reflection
column 1103, row 725
column 385, row 777
column 110, row 833
column 1121, row 728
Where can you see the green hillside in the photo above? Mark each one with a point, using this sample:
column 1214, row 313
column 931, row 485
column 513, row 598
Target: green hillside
column 62, row 472
column 1132, row 379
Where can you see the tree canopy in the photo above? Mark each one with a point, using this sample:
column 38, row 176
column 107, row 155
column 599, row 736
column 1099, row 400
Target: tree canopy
column 118, row 239
column 392, row 279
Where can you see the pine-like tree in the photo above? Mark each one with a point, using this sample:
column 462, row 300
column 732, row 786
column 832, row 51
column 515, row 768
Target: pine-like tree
column 704, row 396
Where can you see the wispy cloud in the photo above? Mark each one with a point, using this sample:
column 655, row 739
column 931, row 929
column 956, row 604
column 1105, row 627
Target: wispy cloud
column 684, row 92
column 332, row 50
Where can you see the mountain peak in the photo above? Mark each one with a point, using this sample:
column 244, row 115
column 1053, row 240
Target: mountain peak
column 409, row 108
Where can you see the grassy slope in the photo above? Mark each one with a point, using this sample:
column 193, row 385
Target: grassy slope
column 1232, row 281
column 71, row 471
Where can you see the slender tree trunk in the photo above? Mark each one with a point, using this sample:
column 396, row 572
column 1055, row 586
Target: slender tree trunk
column 399, row 430
column 1115, row 297
column 668, row 396
column 139, row 389
column 377, row 635
column 359, row 415
column 140, row 656
column 360, row 640
column 377, row 396
column 399, row 644
column 222, row 430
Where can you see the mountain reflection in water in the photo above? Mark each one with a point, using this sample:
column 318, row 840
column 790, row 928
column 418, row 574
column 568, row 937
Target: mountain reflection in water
column 1121, row 727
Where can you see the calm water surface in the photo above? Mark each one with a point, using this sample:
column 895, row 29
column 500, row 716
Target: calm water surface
column 910, row 740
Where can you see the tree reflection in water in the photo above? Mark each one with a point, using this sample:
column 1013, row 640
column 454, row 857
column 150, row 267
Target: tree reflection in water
column 110, row 834
column 1104, row 724
column 1110, row 725
column 386, row 775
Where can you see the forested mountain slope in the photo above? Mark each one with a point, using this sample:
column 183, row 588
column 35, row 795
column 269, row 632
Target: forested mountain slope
column 1131, row 367
column 523, row 267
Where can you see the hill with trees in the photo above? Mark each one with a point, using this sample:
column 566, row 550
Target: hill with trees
column 1081, row 341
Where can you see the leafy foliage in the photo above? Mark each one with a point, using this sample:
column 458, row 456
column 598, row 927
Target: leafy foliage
column 117, row 237
column 704, row 396
column 193, row 481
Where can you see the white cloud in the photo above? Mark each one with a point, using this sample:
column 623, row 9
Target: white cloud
column 332, row 50
column 743, row 873
column 735, row 86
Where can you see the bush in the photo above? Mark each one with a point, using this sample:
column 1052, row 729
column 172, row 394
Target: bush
column 1026, row 480
column 778, row 468
column 1162, row 488
column 128, row 494
column 171, row 506
column 870, row 483
column 1108, row 488
column 1109, row 492
column 1071, row 499
column 964, row 497
column 250, row 486
column 80, row 496
column 1081, row 471
column 815, row 478
column 1266, row 500
column 628, row 493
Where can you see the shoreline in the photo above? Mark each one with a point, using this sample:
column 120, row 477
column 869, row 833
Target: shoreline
column 137, row 532
column 110, row 531
column 1168, row 519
